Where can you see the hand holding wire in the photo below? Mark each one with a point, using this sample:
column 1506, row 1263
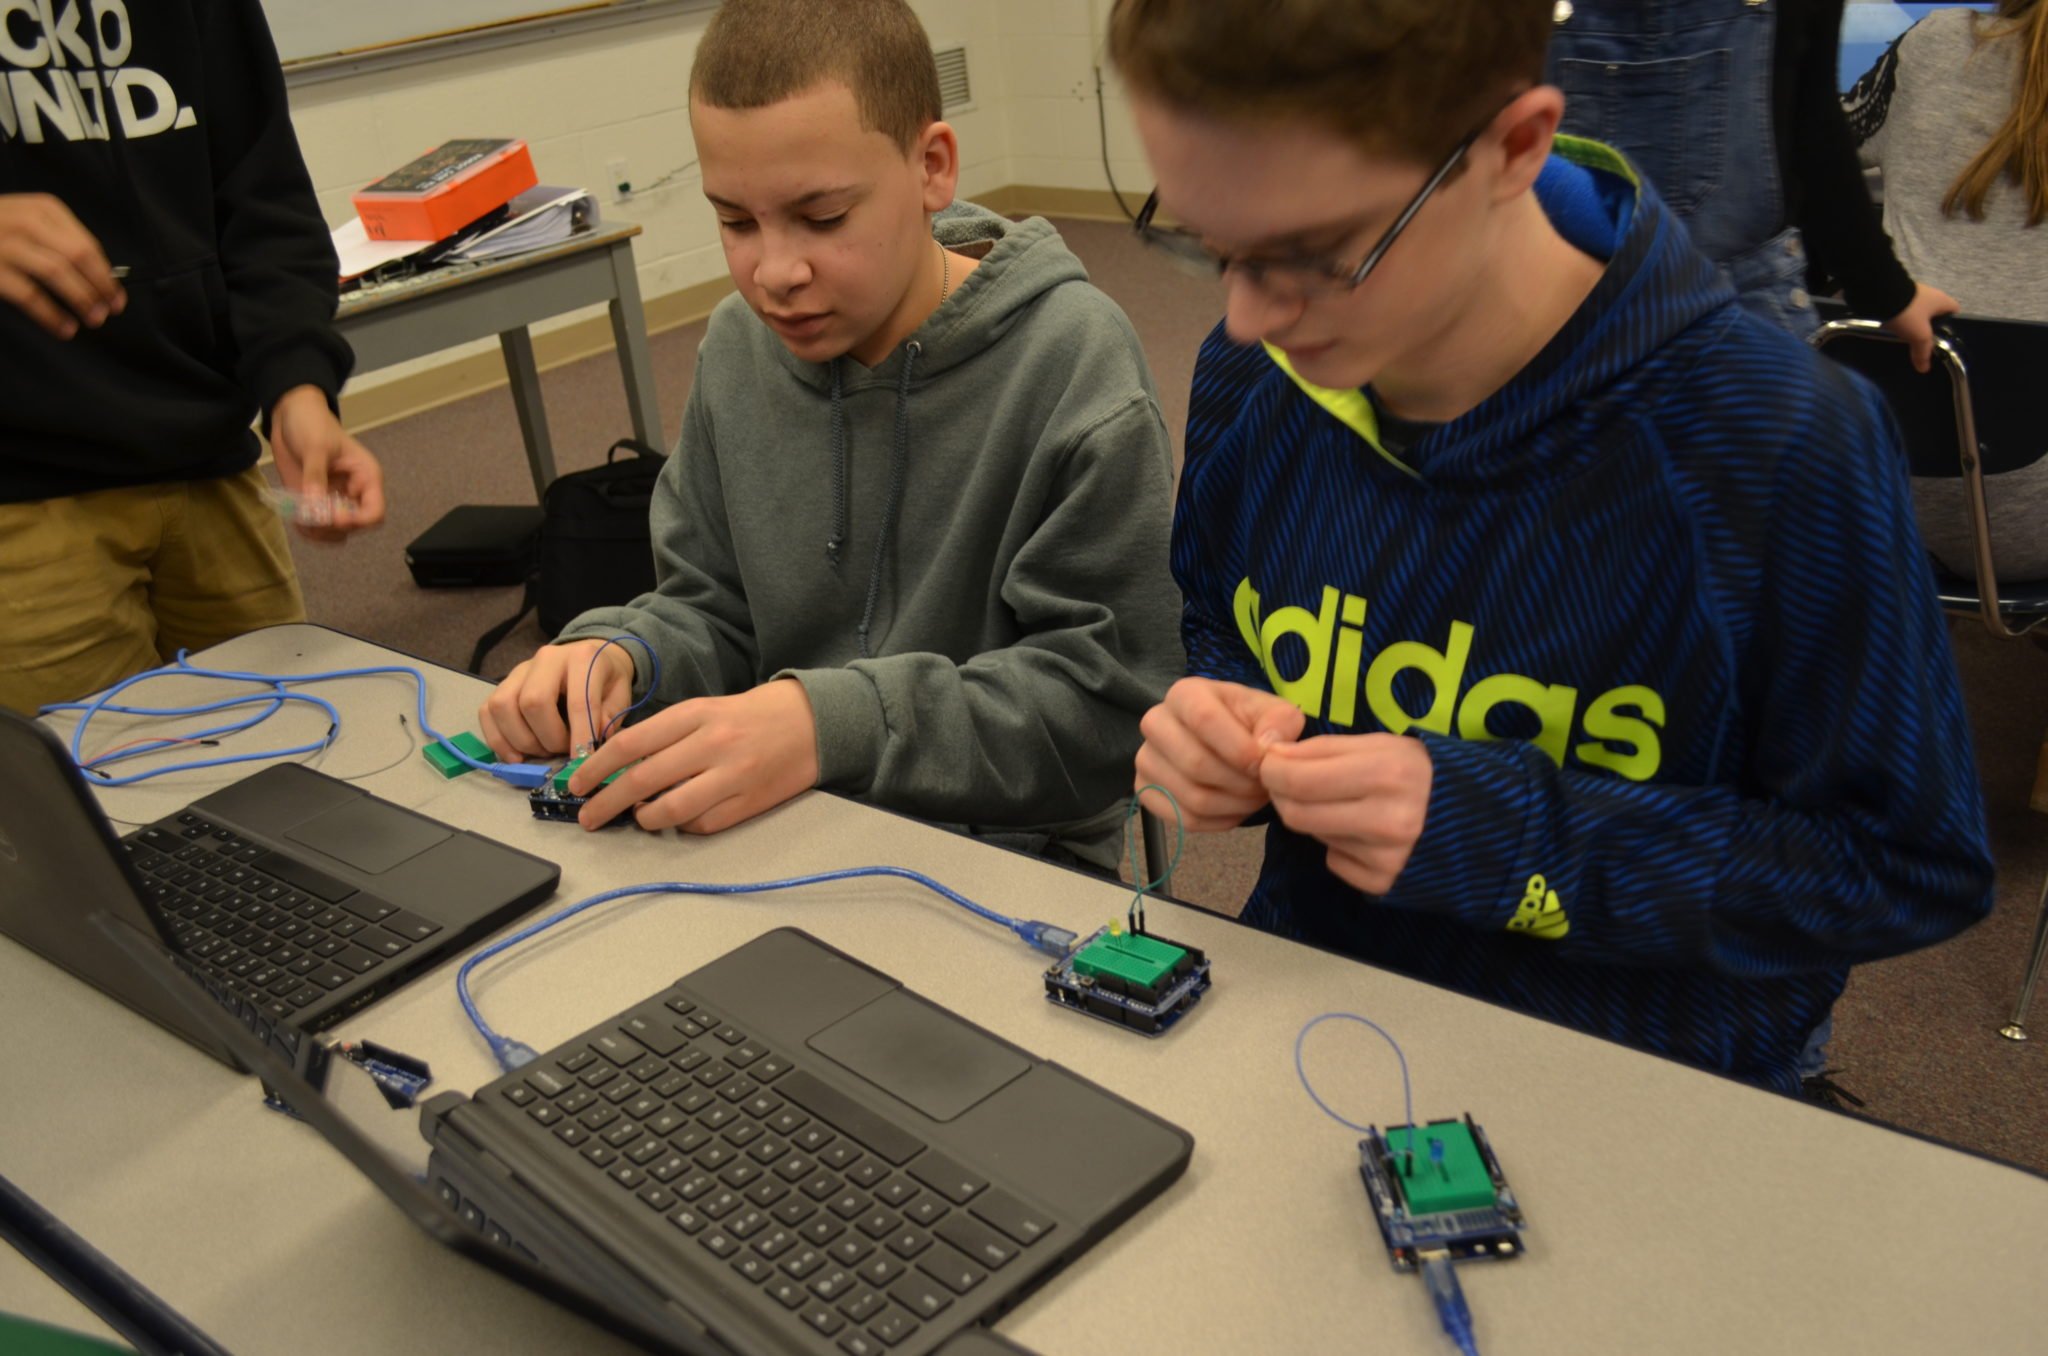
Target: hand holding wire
column 707, row 764
column 563, row 698
column 1206, row 742
column 1364, row 797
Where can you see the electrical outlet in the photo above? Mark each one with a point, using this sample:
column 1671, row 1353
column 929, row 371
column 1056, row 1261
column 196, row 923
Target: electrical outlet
column 622, row 184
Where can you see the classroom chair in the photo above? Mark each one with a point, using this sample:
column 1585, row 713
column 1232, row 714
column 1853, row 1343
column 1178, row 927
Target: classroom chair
column 1978, row 414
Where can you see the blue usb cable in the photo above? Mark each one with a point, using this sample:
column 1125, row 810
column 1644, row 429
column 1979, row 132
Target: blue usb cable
column 1441, row 1278
column 277, row 691
column 511, row 1053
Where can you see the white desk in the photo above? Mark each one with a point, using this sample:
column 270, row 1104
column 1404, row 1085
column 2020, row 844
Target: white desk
column 1670, row 1211
column 395, row 324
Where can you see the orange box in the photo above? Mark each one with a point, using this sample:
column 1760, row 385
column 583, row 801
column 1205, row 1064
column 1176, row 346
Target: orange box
column 446, row 189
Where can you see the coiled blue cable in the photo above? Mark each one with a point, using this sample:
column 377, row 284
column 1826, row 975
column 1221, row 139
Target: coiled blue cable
column 273, row 699
column 1301, row 1071
column 278, row 690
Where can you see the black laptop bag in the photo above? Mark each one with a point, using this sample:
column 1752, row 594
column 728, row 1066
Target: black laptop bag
column 596, row 549
column 476, row 545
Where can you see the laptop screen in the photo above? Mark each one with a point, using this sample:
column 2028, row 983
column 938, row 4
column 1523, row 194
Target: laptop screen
column 59, row 863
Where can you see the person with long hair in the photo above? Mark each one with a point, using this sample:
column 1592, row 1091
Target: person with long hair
column 1955, row 114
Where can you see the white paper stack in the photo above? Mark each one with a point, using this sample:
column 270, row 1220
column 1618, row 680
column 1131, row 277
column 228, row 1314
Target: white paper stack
column 538, row 218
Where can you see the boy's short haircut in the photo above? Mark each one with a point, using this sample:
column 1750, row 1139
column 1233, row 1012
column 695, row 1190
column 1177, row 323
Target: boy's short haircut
column 760, row 52
column 1404, row 77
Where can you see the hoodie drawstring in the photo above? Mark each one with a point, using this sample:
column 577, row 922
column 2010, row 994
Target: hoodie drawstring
column 837, row 541
column 899, row 456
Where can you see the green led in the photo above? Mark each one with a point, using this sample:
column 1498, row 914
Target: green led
column 1456, row 1181
column 448, row 765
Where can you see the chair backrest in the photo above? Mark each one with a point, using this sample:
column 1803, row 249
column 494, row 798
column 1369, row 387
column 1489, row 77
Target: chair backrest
column 1996, row 361
column 1968, row 417
column 1923, row 403
column 2006, row 358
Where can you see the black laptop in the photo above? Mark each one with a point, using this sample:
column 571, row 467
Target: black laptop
column 785, row 1151
column 295, row 898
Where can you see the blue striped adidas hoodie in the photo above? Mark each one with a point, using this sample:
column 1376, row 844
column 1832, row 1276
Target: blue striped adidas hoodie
column 1659, row 611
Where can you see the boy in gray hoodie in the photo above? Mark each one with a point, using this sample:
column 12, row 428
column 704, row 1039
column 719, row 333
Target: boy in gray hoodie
column 913, row 544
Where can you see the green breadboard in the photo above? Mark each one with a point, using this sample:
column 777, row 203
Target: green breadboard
column 568, row 770
column 20, row 1337
column 1143, row 961
column 448, row 765
column 1459, row 1181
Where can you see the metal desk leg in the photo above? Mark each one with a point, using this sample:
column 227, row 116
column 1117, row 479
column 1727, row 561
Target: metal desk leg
column 629, row 334
column 533, row 416
column 2016, row 1029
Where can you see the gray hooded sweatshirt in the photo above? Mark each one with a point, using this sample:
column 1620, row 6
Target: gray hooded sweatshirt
column 960, row 553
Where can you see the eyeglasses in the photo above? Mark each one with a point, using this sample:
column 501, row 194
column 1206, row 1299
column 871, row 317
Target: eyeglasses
column 1294, row 275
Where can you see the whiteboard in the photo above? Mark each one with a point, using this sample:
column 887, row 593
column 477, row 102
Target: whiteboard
column 358, row 33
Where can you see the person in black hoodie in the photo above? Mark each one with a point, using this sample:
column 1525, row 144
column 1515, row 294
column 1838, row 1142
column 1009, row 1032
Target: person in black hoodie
column 165, row 279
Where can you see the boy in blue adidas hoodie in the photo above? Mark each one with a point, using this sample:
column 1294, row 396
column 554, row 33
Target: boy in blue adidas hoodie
column 1568, row 625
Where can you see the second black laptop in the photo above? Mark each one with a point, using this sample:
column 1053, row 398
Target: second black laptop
column 821, row 1162
column 790, row 1152
column 297, row 899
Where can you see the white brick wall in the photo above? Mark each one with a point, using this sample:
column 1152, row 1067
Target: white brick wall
column 1050, row 48
column 585, row 100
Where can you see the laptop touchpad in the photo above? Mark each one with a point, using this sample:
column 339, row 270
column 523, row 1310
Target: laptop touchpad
column 914, row 1051
column 370, row 837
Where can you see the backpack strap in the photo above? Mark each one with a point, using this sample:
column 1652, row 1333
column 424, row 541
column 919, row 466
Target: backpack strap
column 636, row 447
column 491, row 639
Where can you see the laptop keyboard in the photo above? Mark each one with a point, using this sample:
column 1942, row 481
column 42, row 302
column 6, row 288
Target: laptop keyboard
column 846, row 1222
column 260, row 927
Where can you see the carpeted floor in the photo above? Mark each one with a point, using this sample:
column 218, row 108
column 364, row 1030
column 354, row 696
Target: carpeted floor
column 1915, row 1037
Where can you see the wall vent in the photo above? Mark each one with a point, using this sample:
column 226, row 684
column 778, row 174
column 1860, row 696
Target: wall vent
column 956, row 94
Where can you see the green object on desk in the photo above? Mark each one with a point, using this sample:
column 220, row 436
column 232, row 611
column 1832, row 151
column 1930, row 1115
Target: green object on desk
column 1457, row 1181
column 19, row 1337
column 1129, row 957
column 568, row 770
column 451, row 767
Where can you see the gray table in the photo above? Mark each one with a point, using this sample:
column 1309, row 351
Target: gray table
column 397, row 323
column 1671, row 1211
